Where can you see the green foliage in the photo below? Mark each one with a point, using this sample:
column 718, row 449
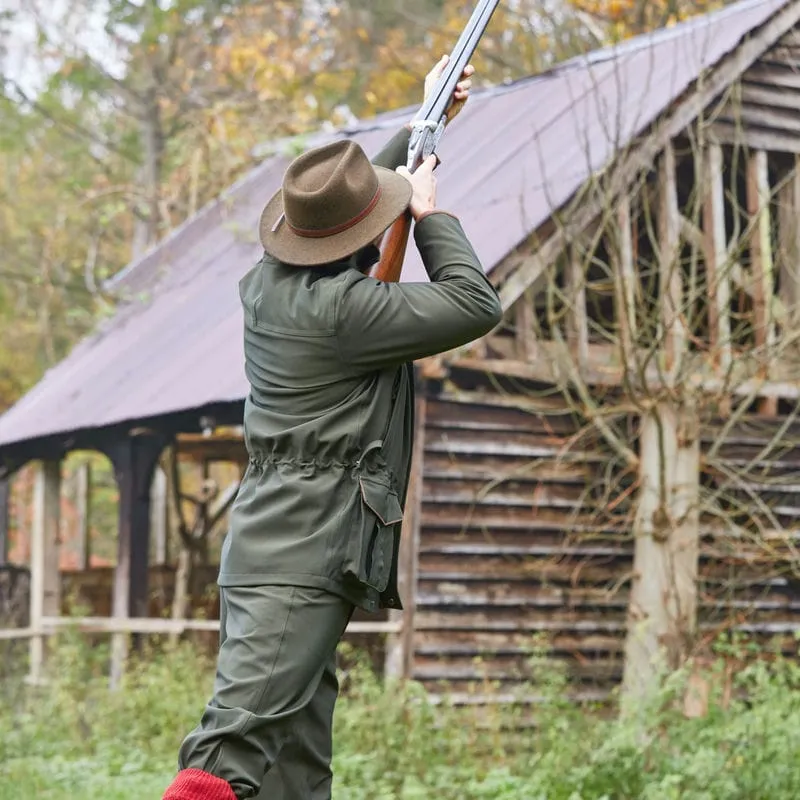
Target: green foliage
column 74, row 738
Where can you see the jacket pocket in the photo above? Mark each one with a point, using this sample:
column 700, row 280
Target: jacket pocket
column 370, row 546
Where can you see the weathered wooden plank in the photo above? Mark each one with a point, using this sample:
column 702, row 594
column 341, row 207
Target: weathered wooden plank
column 466, row 467
column 507, row 669
column 789, row 248
column 524, row 322
column 45, row 599
column 5, row 519
column 84, row 511
column 451, row 414
column 761, row 258
column 773, row 75
column 716, row 259
column 454, row 516
column 540, row 494
column 625, row 282
column 577, row 322
column 474, row 643
column 780, row 120
column 770, row 96
column 752, row 137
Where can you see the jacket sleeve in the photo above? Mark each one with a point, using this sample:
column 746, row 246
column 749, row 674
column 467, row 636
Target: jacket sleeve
column 395, row 151
column 382, row 324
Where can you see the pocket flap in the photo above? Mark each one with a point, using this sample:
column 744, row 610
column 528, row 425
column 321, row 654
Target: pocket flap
column 382, row 499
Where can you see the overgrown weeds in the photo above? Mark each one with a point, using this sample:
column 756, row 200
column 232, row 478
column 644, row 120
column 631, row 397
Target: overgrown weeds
column 76, row 739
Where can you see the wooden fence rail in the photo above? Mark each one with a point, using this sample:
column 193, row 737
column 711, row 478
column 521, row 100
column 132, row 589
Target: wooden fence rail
column 122, row 625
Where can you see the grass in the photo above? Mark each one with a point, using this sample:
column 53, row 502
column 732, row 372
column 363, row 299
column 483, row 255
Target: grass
column 76, row 739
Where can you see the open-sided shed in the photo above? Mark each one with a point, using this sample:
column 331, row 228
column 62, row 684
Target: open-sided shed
column 613, row 467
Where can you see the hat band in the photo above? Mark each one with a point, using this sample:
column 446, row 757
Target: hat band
column 318, row 233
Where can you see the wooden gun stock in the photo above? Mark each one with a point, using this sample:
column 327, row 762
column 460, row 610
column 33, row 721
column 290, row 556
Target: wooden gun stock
column 391, row 264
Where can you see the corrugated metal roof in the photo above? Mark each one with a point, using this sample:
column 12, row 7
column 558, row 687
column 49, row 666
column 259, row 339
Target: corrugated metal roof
column 516, row 154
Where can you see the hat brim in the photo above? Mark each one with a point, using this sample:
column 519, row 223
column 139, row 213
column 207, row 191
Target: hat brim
column 302, row 251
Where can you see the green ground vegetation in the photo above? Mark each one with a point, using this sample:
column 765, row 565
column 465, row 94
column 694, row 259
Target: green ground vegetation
column 76, row 739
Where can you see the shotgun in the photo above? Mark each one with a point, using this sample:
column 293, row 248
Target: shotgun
column 427, row 128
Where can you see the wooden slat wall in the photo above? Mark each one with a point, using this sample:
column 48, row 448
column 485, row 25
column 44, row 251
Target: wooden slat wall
column 765, row 111
column 515, row 543
column 510, row 547
column 751, row 570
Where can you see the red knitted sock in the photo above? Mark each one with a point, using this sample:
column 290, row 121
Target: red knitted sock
column 194, row 784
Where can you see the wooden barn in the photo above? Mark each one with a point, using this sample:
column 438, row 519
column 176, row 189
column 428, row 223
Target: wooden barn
column 611, row 475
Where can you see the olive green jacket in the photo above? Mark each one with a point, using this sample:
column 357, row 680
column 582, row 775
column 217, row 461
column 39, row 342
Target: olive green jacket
column 329, row 419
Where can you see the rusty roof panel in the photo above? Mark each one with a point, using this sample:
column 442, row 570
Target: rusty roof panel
column 515, row 155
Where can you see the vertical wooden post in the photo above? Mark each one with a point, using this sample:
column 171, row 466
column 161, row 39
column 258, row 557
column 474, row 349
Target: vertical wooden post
column 577, row 317
column 670, row 278
column 5, row 518
column 134, row 459
column 45, row 598
column 716, row 260
column 158, row 522
column 399, row 661
column 526, row 335
column 84, row 504
column 625, row 281
column 789, row 238
column 663, row 599
column 758, row 198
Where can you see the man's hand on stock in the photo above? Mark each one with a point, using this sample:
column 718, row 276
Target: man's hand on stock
column 423, row 184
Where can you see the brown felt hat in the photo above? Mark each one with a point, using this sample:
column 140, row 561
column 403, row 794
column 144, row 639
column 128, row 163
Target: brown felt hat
column 333, row 202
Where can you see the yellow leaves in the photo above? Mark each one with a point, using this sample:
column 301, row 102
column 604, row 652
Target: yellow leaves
column 626, row 18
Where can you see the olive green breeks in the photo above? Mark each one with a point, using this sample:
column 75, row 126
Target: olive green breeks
column 267, row 727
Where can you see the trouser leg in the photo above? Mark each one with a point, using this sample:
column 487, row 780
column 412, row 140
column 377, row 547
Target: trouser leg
column 302, row 770
column 275, row 654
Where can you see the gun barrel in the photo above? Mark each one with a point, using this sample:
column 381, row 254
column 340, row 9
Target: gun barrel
column 436, row 105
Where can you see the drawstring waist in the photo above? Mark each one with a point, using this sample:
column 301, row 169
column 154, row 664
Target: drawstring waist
column 259, row 462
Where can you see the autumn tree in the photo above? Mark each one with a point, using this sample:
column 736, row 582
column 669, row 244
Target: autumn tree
column 622, row 19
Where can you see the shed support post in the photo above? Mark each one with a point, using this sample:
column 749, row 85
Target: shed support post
column 663, row 599
column 84, row 507
column 160, row 524
column 399, row 661
column 134, row 459
column 5, row 519
column 45, row 596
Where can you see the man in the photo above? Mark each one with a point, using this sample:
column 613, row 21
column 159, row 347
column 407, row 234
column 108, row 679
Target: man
column 314, row 530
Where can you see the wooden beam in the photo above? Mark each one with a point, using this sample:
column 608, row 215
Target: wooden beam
column 761, row 95
column 789, row 251
column 604, row 370
column 625, row 281
column 523, row 266
column 745, row 116
column 716, row 259
column 84, row 509
column 51, row 626
column 763, row 73
column 577, row 316
column 669, row 267
column 399, row 662
column 159, row 522
column 733, row 134
column 45, row 597
column 5, row 518
column 134, row 458
column 762, row 266
column 524, row 323
column 663, row 597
